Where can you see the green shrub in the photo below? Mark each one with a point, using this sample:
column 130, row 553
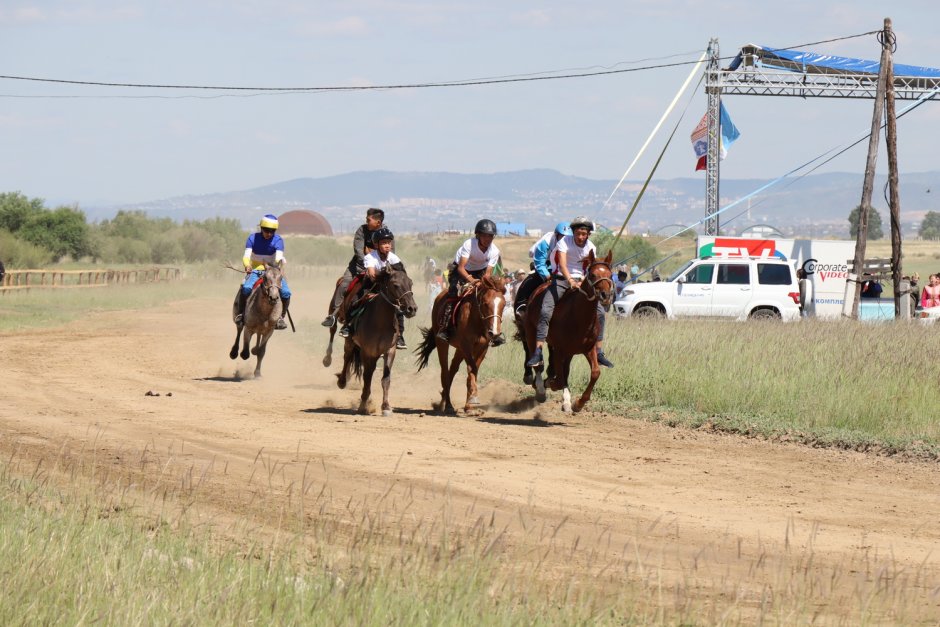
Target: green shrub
column 16, row 253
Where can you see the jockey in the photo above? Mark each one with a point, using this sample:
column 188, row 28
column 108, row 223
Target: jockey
column 540, row 254
column 265, row 246
column 375, row 262
column 568, row 273
column 362, row 245
column 475, row 259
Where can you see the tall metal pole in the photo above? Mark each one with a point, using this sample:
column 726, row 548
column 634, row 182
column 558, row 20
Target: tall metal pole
column 865, row 206
column 713, row 91
column 891, row 143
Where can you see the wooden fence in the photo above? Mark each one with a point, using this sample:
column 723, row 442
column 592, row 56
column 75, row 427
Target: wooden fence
column 32, row 279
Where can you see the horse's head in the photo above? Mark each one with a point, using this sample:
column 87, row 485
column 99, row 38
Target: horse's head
column 599, row 276
column 398, row 290
column 491, row 298
column 271, row 283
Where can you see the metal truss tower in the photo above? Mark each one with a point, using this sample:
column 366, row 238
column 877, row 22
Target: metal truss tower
column 783, row 78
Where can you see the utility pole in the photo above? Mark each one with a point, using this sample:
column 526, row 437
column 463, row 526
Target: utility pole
column 712, row 176
column 891, row 143
column 861, row 239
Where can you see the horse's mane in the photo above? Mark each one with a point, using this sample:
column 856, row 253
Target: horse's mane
column 492, row 283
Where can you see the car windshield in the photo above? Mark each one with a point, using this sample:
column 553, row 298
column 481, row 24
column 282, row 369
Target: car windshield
column 675, row 275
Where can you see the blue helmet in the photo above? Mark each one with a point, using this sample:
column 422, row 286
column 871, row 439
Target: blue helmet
column 562, row 229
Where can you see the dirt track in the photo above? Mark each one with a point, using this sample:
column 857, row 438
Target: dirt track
column 671, row 491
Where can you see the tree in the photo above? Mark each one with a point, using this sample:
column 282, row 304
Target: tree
column 16, row 210
column 875, row 230
column 62, row 231
column 930, row 227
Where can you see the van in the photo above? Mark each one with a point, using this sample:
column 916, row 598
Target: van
column 740, row 288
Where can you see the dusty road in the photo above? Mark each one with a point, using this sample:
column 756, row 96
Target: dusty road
column 687, row 501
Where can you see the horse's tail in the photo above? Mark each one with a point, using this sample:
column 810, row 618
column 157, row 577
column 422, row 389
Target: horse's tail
column 428, row 344
column 357, row 362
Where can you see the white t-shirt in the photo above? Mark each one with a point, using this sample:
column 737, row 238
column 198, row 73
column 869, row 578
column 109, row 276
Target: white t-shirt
column 476, row 258
column 576, row 255
column 372, row 260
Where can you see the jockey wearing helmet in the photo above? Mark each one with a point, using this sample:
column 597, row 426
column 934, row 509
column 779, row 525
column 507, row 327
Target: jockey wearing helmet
column 374, row 263
column 568, row 273
column 265, row 246
column 540, row 253
column 475, row 259
column 362, row 245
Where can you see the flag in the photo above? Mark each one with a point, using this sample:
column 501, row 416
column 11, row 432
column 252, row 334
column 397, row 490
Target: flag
column 729, row 134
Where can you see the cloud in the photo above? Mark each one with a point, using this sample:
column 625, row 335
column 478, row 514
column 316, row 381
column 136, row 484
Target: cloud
column 350, row 26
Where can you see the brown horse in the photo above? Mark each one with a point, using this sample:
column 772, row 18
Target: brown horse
column 478, row 325
column 262, row 311
column 375, row 334
column 573, row 331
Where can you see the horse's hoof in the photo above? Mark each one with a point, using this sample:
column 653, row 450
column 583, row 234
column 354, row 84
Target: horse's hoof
column 327, row 361
column 254, row 351
column 363, row 410
column 566, row 401
column 244, row 355
column 386, row 413
column 578, row 406
column 473, row 400
column 341, row 383
column 233, row 353
column 257, row 374
column 528, row 378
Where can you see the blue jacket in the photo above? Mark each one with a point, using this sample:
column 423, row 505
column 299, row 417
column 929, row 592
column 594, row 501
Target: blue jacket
column 540, row 255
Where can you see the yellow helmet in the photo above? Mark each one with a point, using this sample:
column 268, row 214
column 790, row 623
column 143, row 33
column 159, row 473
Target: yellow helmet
column 268, row 222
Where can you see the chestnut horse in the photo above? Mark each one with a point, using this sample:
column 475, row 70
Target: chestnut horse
column 262, row 310
column 573, row 331
column 375, row 334
column 478, row 320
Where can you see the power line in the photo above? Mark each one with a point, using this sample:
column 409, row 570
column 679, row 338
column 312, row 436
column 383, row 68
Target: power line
column 539, row 76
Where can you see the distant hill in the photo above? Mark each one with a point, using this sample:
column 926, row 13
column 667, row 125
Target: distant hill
column 426, row 201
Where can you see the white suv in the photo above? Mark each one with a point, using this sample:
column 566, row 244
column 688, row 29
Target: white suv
column 720, row 287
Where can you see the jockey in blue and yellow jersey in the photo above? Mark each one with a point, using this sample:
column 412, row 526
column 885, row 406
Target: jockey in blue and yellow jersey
column 265, row 246
column 540, row 253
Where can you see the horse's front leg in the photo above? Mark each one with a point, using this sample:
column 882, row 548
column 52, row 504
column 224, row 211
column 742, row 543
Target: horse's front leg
column 260, row 350
column 246, row 345
column 447, row 376
column 238, row 334
column 348, row 349
column 591, row 356
column 387, row 360
column 474, row 361
column 328, row 358
column 368, row 369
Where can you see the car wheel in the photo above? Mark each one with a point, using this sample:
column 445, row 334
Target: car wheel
column 765, row 314
column 647, row 311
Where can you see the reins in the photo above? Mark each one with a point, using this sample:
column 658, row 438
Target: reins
column 593, row 296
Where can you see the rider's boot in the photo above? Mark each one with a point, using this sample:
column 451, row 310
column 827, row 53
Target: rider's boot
column 536, row 359
column 329, row 321
column 602, row 359
column 444, row 323
column 242, row 300
column 280, row 325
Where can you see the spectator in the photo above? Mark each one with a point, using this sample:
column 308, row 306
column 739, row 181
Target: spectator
column 806, row 292
column 871, row 288
column 620, row 280
column 930, row 297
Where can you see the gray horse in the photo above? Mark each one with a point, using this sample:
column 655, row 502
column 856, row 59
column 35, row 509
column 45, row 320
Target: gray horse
column 261, row 314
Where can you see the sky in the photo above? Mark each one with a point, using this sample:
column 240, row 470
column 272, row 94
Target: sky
column 108, row 145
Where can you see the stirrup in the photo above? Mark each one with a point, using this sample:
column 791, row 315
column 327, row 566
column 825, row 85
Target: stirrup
column 329, row 321
column 443, row 335
column 240, row 319
column 280, row 325
column 344, row 331
column 400, row 342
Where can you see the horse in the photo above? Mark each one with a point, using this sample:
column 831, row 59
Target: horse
column 478, row 317
column 376, row 333
column 328, row 358
column 573, row 331
column 262, row 310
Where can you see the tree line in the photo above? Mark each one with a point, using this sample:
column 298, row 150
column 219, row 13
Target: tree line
column 32, row 234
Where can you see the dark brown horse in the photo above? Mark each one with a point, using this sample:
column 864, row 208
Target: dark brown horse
column 376, row 330
column 478, row 320
column 262, row 311
column 573, row 331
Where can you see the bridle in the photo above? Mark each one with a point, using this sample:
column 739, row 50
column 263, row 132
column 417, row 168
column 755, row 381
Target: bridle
column 476, row 296
column 396, row 303
column 594, row 291
column 267, row 284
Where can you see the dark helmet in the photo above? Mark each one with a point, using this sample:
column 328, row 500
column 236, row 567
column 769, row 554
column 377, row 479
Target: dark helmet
column 485, row 227
column 379, row 234
column 582, row 222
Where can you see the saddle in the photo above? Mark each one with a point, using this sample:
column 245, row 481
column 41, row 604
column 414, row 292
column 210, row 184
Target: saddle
column 457, row 301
